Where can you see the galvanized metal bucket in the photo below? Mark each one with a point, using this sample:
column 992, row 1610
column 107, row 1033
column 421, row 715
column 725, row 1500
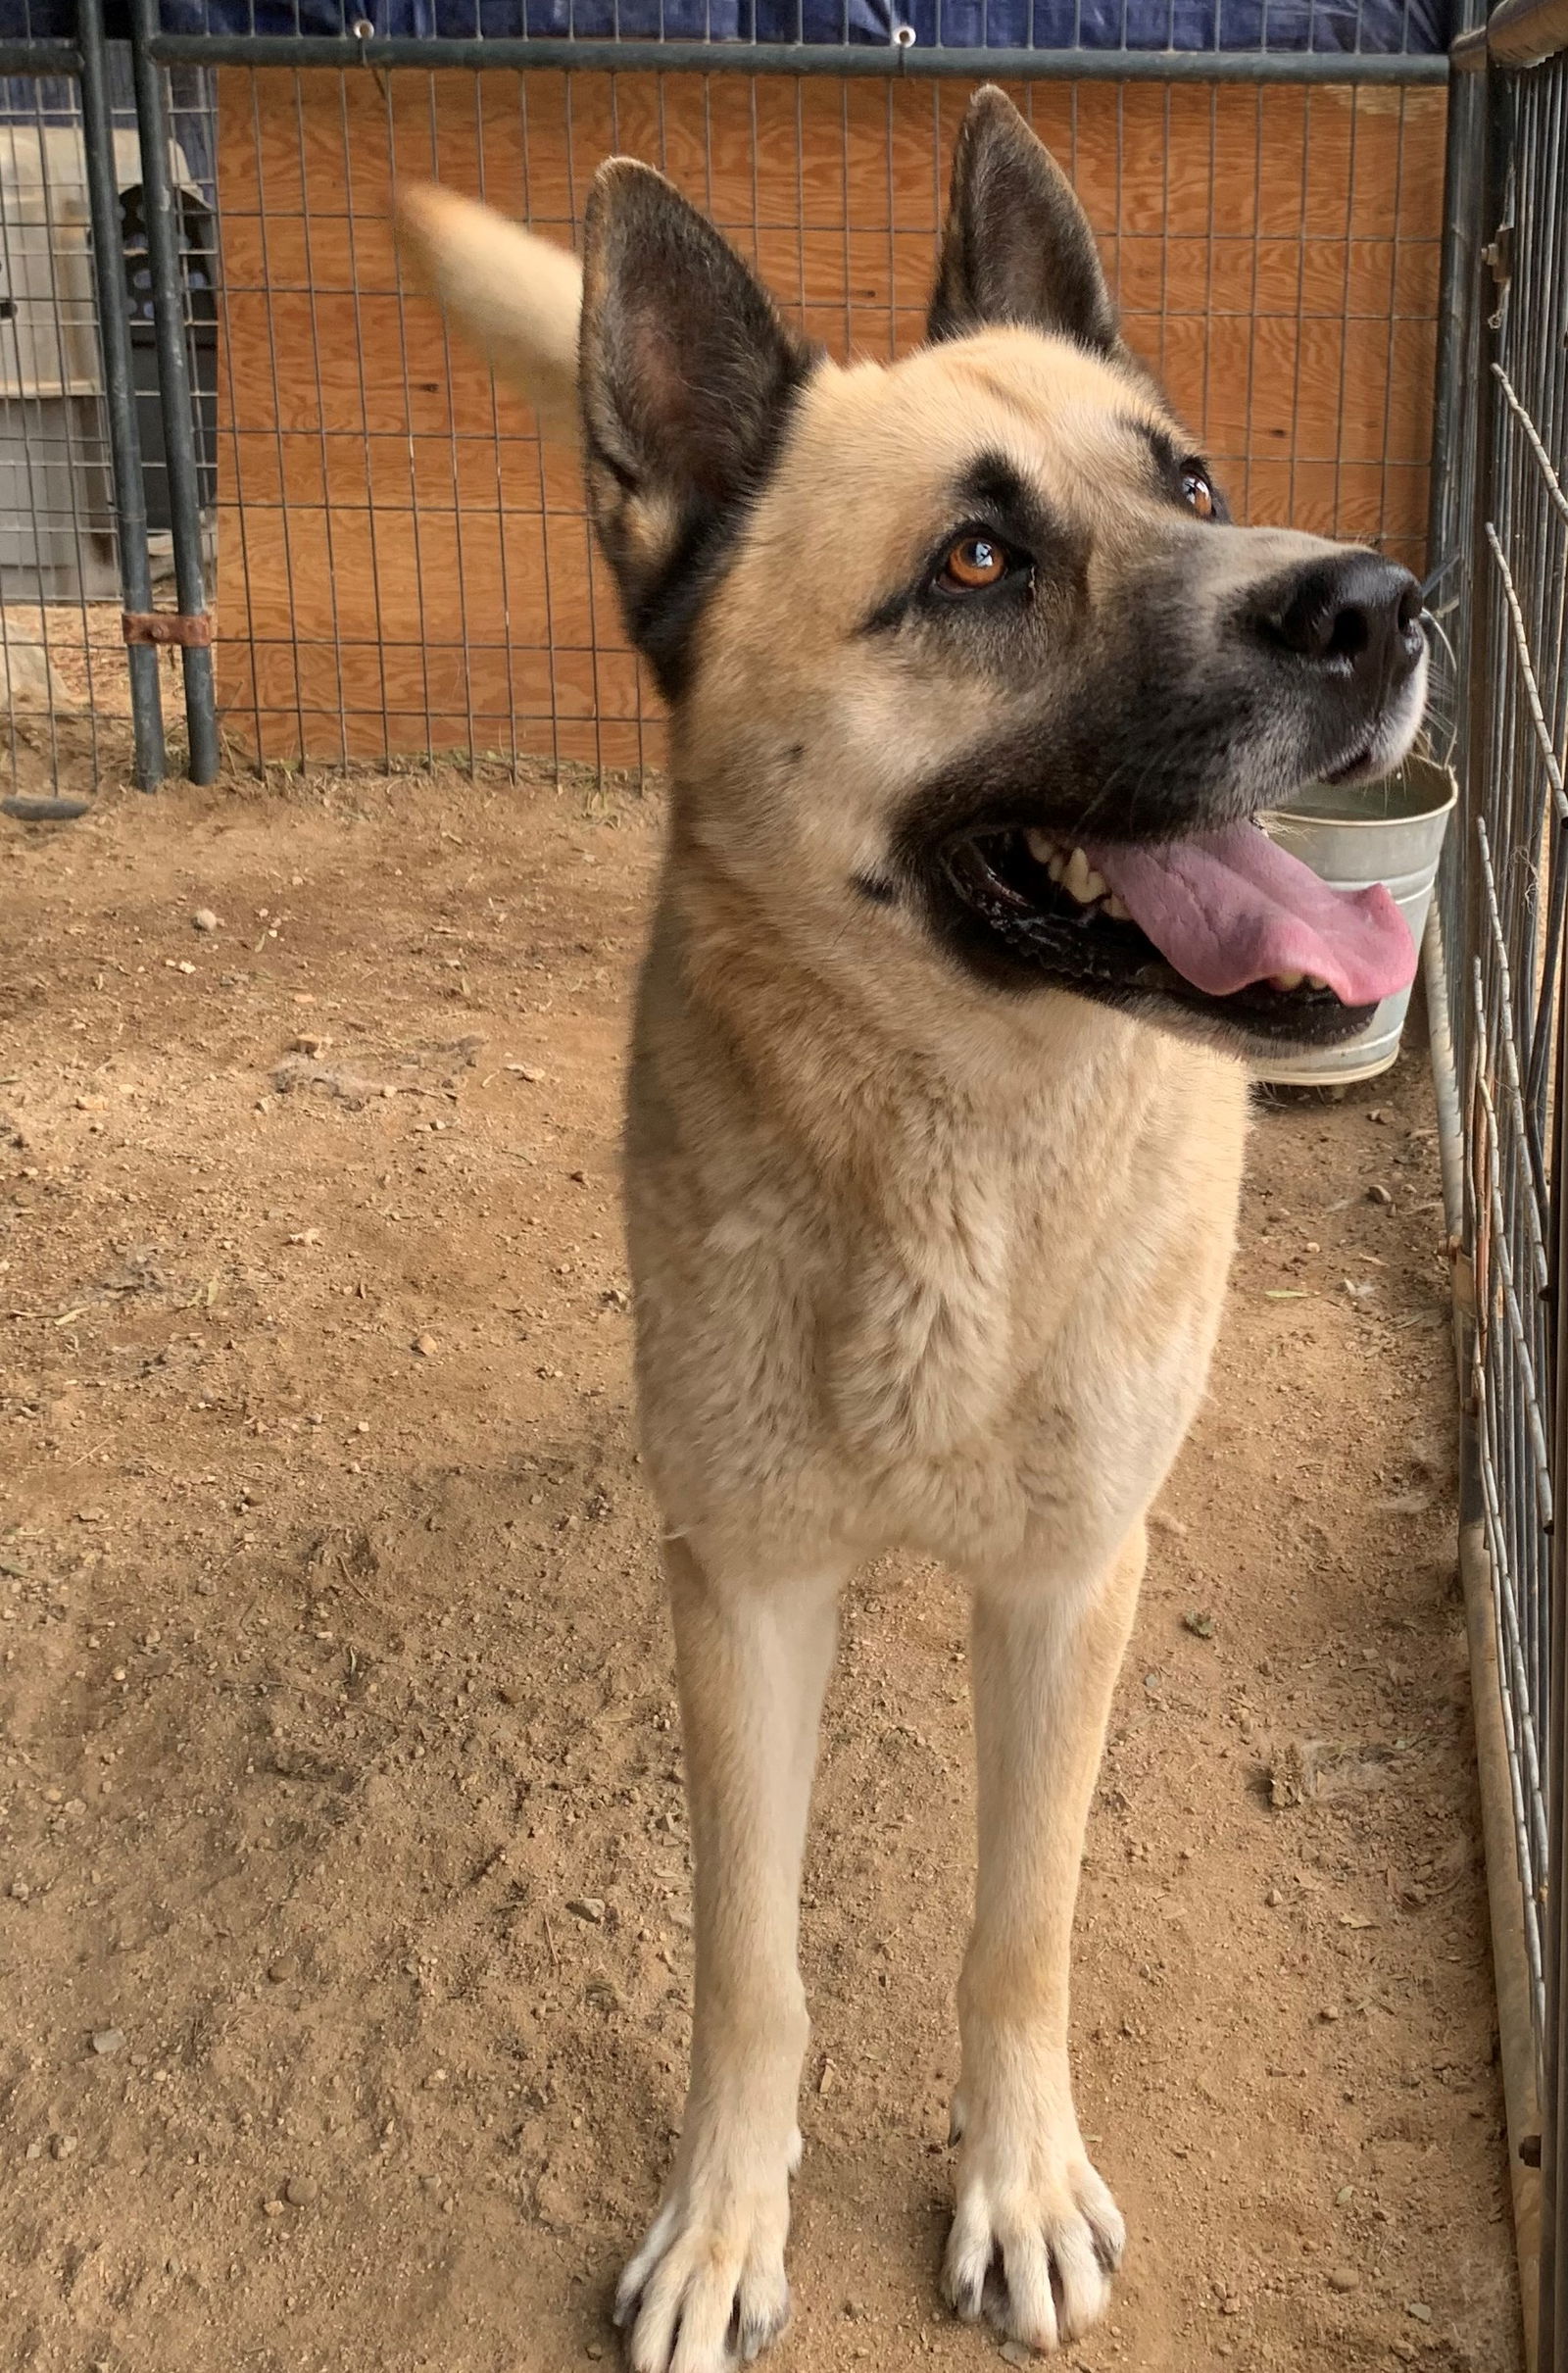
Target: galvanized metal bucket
column 1389, row 833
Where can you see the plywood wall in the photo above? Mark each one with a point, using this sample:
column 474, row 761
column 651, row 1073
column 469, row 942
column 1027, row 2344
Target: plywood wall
column 403, row 567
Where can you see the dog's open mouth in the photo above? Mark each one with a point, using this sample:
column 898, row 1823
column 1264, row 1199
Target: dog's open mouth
column 1226, row 924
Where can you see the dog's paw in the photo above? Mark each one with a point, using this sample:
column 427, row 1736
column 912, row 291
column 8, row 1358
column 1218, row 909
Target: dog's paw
column 1036, row 2237
column 707, row 2289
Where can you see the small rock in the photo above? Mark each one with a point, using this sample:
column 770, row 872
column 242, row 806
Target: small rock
column 1419, row 2309
column 594, row 2350
column 588, row 1908
column 1200, row 1623
column 20, row 1891
column 1329, row 2014
column 282, row 1969
column 1345, row 2194
column 108, row 2040
column 301, row 2190
column 1379, row 1194
column 61, row 2145
column 828, row 2078
column 1273, row 1898
column 204, row 920
column 1013, row 2352
column 426, row 1345
column 271, row 2207
column 1343, row 2279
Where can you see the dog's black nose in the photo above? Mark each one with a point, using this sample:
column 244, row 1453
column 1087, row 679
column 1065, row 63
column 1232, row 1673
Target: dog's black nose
column 1353, row 608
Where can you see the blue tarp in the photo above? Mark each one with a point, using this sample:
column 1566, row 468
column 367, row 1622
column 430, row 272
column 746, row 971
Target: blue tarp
column 1379, row 26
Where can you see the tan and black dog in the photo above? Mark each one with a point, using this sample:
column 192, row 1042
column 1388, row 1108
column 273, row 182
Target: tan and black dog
column 935, row 1120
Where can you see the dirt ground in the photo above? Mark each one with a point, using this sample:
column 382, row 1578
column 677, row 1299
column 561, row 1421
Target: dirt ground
column 344, row 1939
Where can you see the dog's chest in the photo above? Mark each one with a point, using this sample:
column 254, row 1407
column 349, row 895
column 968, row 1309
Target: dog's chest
column 964, row 1343
column 1023, row 1365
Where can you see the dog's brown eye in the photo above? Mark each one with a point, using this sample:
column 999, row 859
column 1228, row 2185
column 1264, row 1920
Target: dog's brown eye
column 973, row 562
column 1200, row 493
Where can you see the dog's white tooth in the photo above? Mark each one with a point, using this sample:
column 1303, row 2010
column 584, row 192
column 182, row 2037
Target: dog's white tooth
column 1042, row 848
column 1082, row 881
column 1116, row 909
column 1057, row 866
column 1286, row 980
column 1313, row 982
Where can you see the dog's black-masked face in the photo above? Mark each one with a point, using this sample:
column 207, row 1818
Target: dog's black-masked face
column 966, row 659
column 1216, row 673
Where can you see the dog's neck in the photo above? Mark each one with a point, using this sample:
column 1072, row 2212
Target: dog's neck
column 862, row 1059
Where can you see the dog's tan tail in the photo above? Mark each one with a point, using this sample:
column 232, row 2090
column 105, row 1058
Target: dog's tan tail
column 518, row 298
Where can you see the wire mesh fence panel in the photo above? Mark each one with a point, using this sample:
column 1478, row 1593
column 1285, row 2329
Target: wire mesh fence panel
column 1503, row 535
column 403, row 566
column 1500, row 707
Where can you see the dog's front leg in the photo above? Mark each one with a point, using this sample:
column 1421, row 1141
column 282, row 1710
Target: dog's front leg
column 753, row 1660
column 1036, row 2234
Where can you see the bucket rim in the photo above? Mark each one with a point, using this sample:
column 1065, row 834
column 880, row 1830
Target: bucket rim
column 1303, row 812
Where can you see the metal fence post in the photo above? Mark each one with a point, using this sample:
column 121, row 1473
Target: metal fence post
column 167, row 266
column 125, row 436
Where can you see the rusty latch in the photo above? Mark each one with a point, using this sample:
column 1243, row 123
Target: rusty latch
column 191, row 628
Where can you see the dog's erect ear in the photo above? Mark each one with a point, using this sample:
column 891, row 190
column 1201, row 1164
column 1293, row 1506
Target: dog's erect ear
column 518, row 297
column 1017, row 247
column 688, row 376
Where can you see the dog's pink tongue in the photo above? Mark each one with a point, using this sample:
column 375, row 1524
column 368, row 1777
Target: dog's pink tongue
column 1232, row 908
